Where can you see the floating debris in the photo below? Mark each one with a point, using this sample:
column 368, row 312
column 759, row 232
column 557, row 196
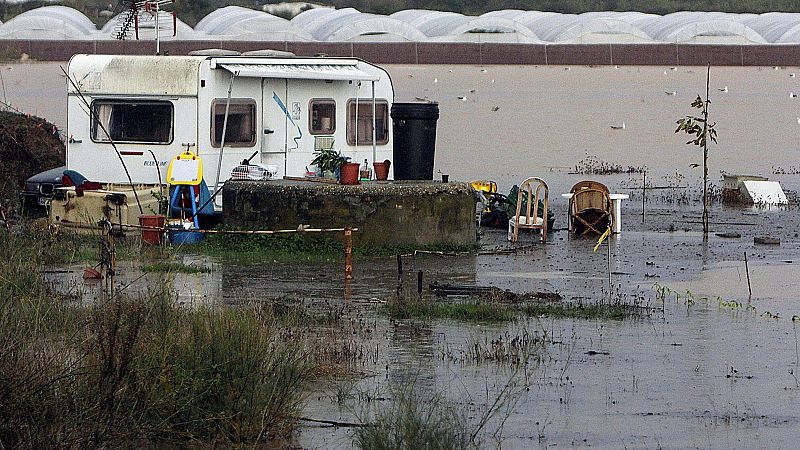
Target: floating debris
column 766, row 240
column 491, row 292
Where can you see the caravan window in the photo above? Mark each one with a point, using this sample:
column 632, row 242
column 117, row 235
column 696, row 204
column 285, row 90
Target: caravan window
column 359, row 120
column 241, row 128
column 132, row 121
column 323, row 116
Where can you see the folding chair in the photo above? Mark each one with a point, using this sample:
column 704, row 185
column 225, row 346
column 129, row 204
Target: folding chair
column 530, row 217
column 590, row 208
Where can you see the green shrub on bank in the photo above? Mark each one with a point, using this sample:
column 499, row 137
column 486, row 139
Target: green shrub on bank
column 313, row 246
column 278, row 246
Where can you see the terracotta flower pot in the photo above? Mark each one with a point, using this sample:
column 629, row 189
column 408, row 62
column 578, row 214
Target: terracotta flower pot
column 151, row 236
column 348, row 173
column 382, row 169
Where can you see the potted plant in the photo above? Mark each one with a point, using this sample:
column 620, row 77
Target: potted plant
column 153, row 224
column 328, row 161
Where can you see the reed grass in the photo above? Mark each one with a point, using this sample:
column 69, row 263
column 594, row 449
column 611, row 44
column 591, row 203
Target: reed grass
column 411, row 422
column 137, row 371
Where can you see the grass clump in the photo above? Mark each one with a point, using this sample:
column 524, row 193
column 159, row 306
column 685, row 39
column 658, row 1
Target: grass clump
column 415, row 423
column 469, row 310
column 137, row 370
column 273, row 246
column 614, row 311
column 478, row 309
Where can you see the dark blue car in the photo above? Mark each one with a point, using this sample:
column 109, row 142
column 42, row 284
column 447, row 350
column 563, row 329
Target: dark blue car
column 38, row 190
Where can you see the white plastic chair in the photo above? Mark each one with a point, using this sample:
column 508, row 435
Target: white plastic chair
column 530, row 218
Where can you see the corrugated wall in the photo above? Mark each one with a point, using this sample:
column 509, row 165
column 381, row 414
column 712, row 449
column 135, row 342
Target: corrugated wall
column 443, row 53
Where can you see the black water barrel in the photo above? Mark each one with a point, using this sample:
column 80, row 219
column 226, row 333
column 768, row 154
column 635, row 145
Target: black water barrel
column 414, row 128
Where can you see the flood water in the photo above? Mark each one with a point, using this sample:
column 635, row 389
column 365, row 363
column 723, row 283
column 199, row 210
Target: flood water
column 709, row 368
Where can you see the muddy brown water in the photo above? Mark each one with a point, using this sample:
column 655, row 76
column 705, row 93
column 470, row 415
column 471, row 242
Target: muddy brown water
column 699, row 373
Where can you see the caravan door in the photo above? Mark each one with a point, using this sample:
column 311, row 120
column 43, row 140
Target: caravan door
column 281, row 119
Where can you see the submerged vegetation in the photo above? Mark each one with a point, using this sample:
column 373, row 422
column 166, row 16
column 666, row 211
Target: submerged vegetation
column 470, row 310
column 592, row 165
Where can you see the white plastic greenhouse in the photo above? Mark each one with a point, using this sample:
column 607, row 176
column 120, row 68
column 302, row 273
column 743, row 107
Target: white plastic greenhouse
column 237, row 23
column 451, row 27
column 50, row 22
column 147, row 28
column 415, row 25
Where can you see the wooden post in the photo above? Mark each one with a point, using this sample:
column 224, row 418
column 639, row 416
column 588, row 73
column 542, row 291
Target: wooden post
column 419, row 282
column 608, row 264
column 348, row 290
column 644, row 192
column 3, row 216
column 747, row 270
column 400, row 267
column 348, row 253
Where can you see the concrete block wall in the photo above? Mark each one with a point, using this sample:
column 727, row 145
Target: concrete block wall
column 394, row 214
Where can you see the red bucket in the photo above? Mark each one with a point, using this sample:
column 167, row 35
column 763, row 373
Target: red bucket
column 150, row 235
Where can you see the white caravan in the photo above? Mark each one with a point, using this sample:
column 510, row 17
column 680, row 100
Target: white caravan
column 280, row 109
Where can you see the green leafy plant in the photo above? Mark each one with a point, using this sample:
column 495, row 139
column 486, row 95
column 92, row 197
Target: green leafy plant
column 328, row 159
column 702, row 131
column 161, row 202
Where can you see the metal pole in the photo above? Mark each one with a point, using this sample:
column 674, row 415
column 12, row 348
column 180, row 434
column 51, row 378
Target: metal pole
column 158, row 41
column 224, row 129
column 358, row 88
column 374, row 122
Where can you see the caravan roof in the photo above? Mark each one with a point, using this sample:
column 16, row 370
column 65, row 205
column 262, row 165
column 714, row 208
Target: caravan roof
column 178, row 75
